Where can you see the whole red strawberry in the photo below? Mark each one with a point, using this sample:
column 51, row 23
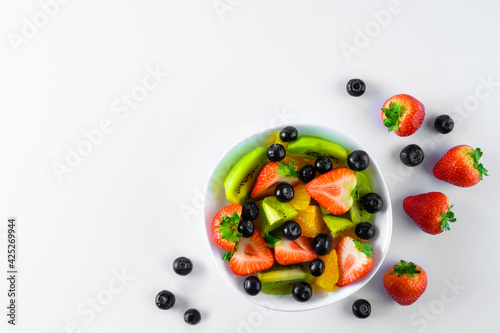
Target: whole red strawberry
column 460, row 166
column 430, row 211
column 405, row 282
column 403, row 114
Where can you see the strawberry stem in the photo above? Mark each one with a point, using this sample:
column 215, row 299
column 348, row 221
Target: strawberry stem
column 404, row 268
column 447, row 216
column 479, row 166
column 228, row 227
column 393, row 115
column 364, row 248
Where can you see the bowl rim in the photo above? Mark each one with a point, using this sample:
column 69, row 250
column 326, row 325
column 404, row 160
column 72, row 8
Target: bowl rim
column 306, row 306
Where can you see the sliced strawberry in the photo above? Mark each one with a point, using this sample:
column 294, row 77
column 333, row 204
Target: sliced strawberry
column 355, row 260
column 251, row 255
column 226, row 214
column 271, row 175
column 333, row 190
column 289, row 252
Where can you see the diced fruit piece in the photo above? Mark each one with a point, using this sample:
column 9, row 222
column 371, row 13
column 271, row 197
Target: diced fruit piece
column 226, row 214
column 284, row 192
column 333, row 190
column 405, row 282
column 279, row 280
column 310, row 221
column 251, row 255
column 252, row 285
column 276, row 152
column 324, row 211
column 271, row 175
column 358, row 214
column 302, row 291
column 403, row 114
column 430, row 211
column 288, row 134
column 274, row 213
column 323, row 165
column 330, row 276
column 301, row 199
column 358, row 160
column 310, row 147
column 361, row 308
column 355, row 260
column 363, row 184
column 337, row 225
column 460, row 166
column 372, row 202
column 289, row 252
column 241, row 177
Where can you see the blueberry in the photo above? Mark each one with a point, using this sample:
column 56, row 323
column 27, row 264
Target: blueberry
column 307, row 173
column 252, row 285
column 302, row 291
column 250, row 211
column 372, row 202
column 323, row 165
column 356, row 87
column 165, row 300
column 358, row 160
column 284, row 192
column 291, row 230
column 192, row 316
column 183, row 266
column 317, row 267
column 361, row 308
column 444, row 124
column 276, row 152
column 288, row 134
column 411, row 155
column 246, row 228
column 322, row 244
column 365, row 230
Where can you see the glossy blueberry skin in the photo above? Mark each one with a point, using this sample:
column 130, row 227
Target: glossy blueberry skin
column 323, row 165
column 276, row 152
column 192, row 316
column 252, row 285
column 250, row 211
column 356, row 87
column 372, row 203
column 182, row 266
column 358, row 160
column 365, row 230
column 284, row 192
column 411, row 155
column 361, row 308
column 291, row 230
column 444, row 124
column 302, row 291
column 246, row 228
column 165, row 300
column 322, row 244
column 307, row 173
column 317, row 267
column 288, row 134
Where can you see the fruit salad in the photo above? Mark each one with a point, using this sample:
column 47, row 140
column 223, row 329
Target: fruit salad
column 299, row 218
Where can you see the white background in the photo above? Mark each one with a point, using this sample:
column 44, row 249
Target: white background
column 133, row 203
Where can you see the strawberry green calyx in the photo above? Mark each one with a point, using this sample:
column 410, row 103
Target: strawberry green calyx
column 287, row 170
column 365, row 248
column 447, row 216
column 228, row 227
column 392, row 114
column 479, row 166
column 270, row 240
column 404, row 268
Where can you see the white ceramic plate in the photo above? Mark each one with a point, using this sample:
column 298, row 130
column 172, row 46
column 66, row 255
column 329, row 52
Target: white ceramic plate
column 215, row 199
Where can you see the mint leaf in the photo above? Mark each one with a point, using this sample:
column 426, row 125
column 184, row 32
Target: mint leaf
column 365, row 248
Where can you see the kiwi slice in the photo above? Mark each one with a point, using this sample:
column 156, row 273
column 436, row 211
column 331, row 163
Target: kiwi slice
column 274, row 213
column 311, row 147
column 363, row 184
column 280, row 280
column 241, row 177
column 358, row 214
column 337, row 225
column 324, row 211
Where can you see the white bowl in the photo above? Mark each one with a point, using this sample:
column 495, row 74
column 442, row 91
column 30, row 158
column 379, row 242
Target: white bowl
column 215, row 199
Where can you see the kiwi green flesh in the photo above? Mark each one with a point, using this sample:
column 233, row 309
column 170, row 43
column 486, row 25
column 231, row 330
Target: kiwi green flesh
column 280, row 281
column 337, row 225
column 363, row 184
column 241, row 177
column 311, row 147
column 358, row 214
column 273, row 214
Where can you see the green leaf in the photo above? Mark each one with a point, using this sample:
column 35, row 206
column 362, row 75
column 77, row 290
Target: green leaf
column 227, row 256
column 228, row 227
column 270, row 240
column 404, row 268
column 479, row 166
column 446, row 217
column 393, row 115
column 287, row 171
column 365, row 248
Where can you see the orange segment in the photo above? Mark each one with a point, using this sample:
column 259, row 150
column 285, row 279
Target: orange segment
column 301, row 200
column 310, row 221
column 330, row 276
